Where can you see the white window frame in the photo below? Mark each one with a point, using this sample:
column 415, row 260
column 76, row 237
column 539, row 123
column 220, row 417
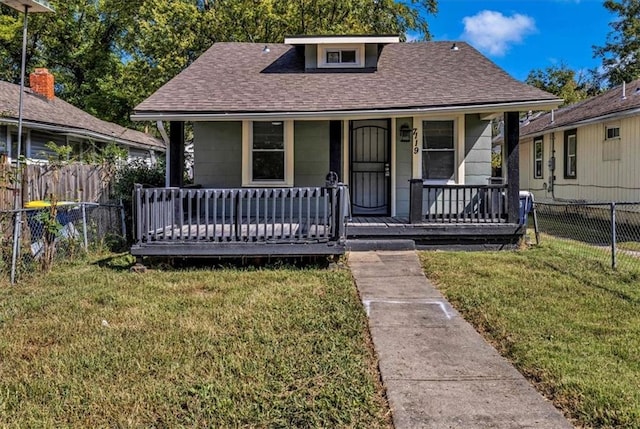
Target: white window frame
column 536, row 160
column 247, row 157
column 455, row 150
column 357, row 47
column 611, row 127
column 568, row 156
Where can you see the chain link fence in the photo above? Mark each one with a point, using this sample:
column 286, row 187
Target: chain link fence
column 63, row 231
column 608, row 232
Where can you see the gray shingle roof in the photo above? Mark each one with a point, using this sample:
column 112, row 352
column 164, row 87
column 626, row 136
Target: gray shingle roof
column 59, row 113
column 608, row 103
column 240, row 77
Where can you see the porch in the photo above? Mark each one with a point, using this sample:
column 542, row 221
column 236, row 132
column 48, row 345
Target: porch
column 281, row 222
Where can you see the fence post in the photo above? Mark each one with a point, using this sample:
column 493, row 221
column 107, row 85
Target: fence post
column 613, row 235
column 16, row 244
column 122, row 217
column 84, row 226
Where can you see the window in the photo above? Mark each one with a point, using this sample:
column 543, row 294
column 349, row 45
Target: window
column 538, row 155
column 438, row 150
column 612, row 132
column 269, row 150
column 341, row 56
column 14, row 144
column 570, row 154
column 347, row 56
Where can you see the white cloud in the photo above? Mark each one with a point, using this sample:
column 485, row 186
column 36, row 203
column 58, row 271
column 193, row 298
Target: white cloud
column 494, row 33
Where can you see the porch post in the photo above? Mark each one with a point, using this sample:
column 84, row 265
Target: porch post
column 176, row 154
column 415, row 200
column 512, row 137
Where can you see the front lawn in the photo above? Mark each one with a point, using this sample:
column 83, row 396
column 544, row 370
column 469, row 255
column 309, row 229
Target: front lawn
column 91, row 345
column 569, row 323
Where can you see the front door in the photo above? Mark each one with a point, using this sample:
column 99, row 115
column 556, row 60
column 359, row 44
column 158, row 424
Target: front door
column 370, row 167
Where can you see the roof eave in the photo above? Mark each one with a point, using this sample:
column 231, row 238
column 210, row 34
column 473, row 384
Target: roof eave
column 519, row 106
column 81, row 133
column 595, row 119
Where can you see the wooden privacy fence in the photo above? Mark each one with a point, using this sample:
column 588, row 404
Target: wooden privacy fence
column 71, row 182
column 271, row 215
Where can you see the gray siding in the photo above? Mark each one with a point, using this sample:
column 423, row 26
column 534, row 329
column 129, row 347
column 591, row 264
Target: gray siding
column 217, row 153
column 311, row 152
column 403, row 169
column 39, row 141
column 477, row 156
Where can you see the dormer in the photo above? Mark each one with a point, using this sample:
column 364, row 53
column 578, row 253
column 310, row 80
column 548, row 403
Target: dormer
column 340, row 52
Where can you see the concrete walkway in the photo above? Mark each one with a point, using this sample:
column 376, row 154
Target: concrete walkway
column 438, row 371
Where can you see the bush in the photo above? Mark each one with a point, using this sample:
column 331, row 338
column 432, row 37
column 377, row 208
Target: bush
column 127, row 175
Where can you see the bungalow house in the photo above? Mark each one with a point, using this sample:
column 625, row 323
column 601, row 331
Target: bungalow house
column 588, row 151
column 403, row 128
column 47, row 118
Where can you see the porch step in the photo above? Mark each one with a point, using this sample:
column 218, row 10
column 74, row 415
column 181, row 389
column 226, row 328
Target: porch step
column 364, row 245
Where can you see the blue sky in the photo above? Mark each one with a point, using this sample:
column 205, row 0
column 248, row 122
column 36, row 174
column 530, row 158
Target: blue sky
column 522, row 35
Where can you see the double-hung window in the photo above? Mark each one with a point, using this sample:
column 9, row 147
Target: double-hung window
column 269, row 146
column 570, row 154
column 538, row 155
column 438, row 150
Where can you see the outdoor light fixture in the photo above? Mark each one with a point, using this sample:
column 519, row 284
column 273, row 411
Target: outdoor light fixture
column 24, row 6
column 405, row 133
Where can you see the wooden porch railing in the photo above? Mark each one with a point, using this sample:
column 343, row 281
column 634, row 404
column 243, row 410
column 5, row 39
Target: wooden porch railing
column 458, row 203
column 245, row 215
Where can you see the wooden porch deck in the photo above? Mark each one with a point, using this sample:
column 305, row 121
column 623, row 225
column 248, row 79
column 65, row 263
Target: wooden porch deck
column 440, row 233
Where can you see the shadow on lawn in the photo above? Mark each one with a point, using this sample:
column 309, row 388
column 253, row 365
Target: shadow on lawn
column 630, row 279
column 125, row 262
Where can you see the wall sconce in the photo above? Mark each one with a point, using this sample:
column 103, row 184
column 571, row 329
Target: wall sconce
column 405, row 133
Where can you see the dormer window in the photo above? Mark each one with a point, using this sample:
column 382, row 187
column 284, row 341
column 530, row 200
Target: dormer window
column 342, row 56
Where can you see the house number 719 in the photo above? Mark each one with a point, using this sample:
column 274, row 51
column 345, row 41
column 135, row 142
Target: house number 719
column 416, row 149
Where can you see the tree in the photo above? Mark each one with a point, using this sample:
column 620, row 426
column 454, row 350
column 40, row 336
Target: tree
column 108, row 55
column 621, row 53
column 564, row 82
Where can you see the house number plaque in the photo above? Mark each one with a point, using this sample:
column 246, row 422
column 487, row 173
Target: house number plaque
column 416, row 148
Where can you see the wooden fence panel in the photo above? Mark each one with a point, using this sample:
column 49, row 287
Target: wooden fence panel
column 72, row 182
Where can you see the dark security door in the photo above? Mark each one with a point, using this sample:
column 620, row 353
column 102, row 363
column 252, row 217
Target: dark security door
column 370, row 167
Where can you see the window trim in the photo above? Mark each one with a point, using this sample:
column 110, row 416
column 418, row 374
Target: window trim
column 567, row 134
column 247, row 156
column 538, row 140
column 456, row 135
column 357, row 47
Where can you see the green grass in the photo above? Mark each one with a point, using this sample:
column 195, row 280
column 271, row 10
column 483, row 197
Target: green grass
column 97, row 346
column 567, row 322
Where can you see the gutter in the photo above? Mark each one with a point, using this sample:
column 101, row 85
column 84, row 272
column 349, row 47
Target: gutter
column 341, row 114
column 602, row 118
column 76, row 133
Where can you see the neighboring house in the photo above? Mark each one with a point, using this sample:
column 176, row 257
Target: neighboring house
column 407, row 126
column 588, row 151
column 47, row 118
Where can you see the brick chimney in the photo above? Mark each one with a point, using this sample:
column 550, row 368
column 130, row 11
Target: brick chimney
column 41, row 82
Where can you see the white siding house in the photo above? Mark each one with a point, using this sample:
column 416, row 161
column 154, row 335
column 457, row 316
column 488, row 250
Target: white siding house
column 589, row 151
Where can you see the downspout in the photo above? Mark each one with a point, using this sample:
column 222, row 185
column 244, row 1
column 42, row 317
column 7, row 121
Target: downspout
column 167, row 152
